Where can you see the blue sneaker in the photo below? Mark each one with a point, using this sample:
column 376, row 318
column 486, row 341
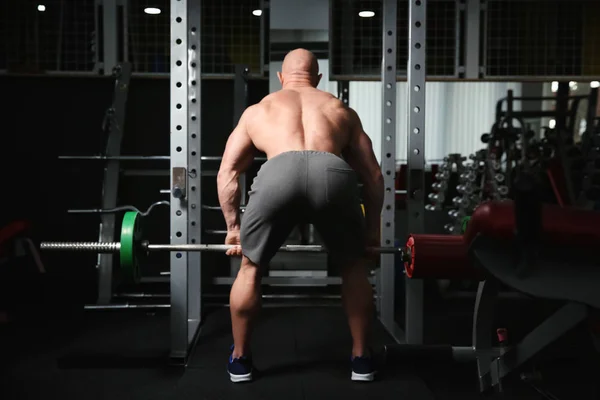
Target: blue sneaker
column 240, row 369
column 363, row 369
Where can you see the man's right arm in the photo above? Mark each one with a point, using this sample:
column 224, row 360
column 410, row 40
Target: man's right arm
column 359, row 154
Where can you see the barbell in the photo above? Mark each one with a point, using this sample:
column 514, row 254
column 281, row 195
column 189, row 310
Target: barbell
column 131, row 247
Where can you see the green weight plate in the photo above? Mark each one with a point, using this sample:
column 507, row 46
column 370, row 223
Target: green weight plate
column 465, row 222
column 130, row 235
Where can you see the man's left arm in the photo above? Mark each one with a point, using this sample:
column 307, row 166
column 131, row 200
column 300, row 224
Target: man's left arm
column 237, row 158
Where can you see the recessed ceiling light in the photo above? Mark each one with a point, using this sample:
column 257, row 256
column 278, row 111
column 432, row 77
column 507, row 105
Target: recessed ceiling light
column 594, row 84
column 152, row 10
column 41, row 8
column 366, row 14
column 257, row 13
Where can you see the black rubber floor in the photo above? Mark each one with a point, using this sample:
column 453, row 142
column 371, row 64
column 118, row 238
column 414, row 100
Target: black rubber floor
column 301, row 353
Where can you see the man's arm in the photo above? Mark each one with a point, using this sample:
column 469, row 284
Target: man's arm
column 359, row 154
column 238, row 156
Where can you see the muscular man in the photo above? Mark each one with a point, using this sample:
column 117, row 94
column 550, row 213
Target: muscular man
column 316, row 153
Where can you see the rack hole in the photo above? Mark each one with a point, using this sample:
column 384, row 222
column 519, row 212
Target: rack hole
column 178, row 149
column 416, row 109
column 417, row 66
column 178, row 41
column 178, row 127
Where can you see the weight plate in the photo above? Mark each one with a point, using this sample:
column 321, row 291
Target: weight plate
column 130, row 235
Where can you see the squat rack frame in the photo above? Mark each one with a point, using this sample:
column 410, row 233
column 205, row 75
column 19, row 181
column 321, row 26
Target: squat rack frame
column 185, row 208
column 415, row 203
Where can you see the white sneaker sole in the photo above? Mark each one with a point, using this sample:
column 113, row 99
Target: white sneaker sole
column 240, row 378
column 363, row 377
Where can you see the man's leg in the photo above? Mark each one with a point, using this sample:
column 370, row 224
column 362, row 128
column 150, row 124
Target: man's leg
column 244, row 305
column 357, row 299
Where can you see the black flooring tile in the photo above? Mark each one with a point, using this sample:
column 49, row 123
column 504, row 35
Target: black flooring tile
column 300, row 353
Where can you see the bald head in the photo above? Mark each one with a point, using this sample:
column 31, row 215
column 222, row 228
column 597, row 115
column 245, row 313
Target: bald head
column 300, row 66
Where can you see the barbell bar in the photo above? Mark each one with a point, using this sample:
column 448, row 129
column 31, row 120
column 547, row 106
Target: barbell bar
column 115, row 247
column 131, row 247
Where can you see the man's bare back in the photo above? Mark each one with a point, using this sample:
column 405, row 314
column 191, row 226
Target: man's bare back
column 300, row 119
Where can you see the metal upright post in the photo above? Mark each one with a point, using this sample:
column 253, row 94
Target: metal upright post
column 415, row 204
column 185, row 164
column 110, row 35
column 386, row 279
column 114, row 122
column 473, row 18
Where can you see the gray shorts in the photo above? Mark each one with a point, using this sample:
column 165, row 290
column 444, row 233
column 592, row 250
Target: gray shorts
column 303, row 187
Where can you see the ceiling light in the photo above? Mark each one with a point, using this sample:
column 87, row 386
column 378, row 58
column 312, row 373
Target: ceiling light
column 366, row 14
column 152, row 10
column 41, row 8
column 552, row 124
column 594, row 84
column 257, row 13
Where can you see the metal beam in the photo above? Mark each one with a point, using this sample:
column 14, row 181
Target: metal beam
column 415, row 203
column 385, row 286
column 114, row 123
column 473, row 24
